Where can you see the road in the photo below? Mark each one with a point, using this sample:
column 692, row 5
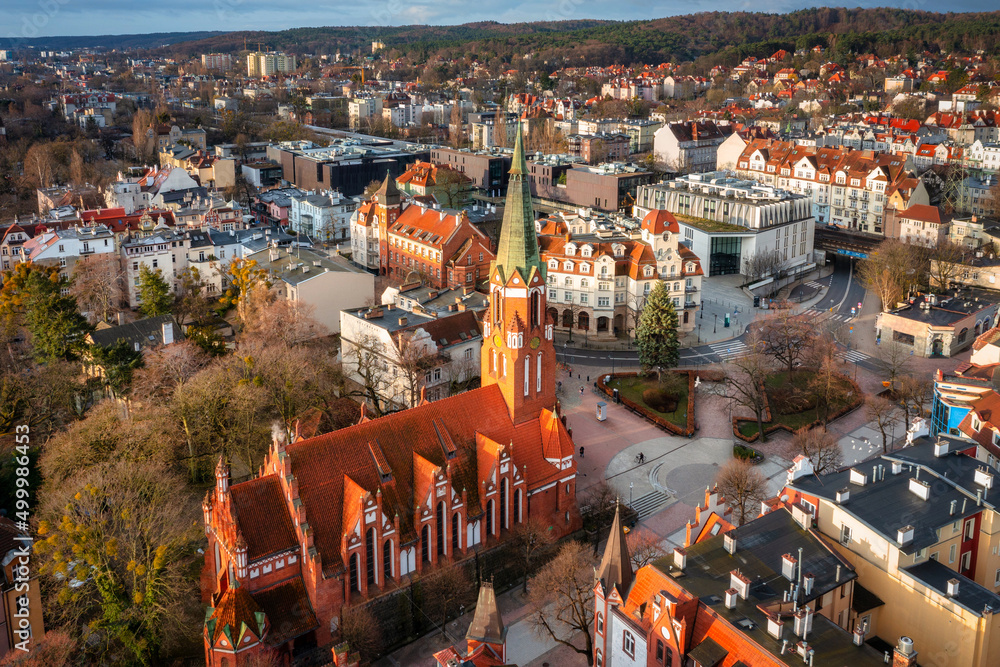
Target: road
column 845, row 292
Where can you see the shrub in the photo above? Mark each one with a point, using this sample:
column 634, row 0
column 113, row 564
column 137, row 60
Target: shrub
column 712, row 376
column 743, row 452
column 659, row 400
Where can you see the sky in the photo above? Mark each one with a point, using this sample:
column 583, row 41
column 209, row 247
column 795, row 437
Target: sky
column 38, row 18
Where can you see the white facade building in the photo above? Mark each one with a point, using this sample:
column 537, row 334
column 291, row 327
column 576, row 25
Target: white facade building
column 324, row 216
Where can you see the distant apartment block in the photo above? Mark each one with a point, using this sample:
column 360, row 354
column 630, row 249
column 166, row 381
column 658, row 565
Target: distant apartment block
column 221, row 61
column 270, row 63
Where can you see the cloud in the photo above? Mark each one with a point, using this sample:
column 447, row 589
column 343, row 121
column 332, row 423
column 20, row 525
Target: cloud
column 102, row 17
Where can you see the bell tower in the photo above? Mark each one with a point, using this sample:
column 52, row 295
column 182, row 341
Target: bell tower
column 518, row 353
column 387, row 208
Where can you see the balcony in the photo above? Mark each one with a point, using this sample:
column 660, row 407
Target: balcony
column 690, row 288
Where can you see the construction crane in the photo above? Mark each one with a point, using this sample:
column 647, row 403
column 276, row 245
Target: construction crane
column 357, row 67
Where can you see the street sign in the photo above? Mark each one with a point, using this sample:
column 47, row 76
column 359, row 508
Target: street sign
column 853, row 310
column 852, row 329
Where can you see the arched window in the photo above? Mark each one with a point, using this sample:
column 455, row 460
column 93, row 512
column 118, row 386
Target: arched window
column 387, row 560
column 600, row 622
column 440, row 530
column 536, row 312
column 584, row 283
column 353, row 575
column 517, row 506
column 503, row 504
column 425, row 544
column 370, row 556
column 599, row 659
column 456, row 533
column 538, row 372
column 503, row 360
column 527, row 374
column 489, row 517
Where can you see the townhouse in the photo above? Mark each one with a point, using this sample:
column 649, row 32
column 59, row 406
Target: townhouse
column 325, row 215
column 690, row 146
column 63, row 248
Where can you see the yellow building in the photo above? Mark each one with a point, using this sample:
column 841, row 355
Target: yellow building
column 921, row 531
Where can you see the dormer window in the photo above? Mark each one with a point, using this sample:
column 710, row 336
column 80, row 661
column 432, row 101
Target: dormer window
column 553, row 264
column 586, row 251
column 570, row 249
column 567, row 266
column 648, row 271
column 666, row 237
column 976, row 423
column 585, row 268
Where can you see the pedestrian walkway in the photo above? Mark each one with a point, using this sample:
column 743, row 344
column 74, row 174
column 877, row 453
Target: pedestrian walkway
column 650, row 504
column 730, row 349
column 854, row 356
column 839, row 317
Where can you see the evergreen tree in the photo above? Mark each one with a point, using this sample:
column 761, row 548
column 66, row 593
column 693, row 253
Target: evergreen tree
column 656, row 334
column 57, row 327
column 119, row 360
column 154, row 293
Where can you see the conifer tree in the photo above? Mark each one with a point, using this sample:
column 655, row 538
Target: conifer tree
column 154, row 293
column 656, row 334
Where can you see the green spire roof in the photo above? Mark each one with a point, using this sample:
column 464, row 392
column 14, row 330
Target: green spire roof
column 518, row 247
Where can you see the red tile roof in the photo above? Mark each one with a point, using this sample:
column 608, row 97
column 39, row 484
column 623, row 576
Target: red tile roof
column 259, row 510
column 288, row 611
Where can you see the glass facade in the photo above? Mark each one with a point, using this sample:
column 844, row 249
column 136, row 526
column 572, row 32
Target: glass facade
column 725, row 255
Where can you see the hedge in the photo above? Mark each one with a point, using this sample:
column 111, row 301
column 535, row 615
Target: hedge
column 648, row 414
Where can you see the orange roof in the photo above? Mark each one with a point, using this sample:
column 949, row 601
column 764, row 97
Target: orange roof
column 258, row 507
column 658, row 221
column 922, row 213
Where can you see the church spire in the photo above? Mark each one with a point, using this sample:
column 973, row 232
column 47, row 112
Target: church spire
column 518, row 247
column 487, row 627
column 616, row 566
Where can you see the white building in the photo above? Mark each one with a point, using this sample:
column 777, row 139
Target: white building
column 269, row 64
column 360, row 110
column 729, row 221
column 164, row 251
column 325, row 215
column 64, row 247
column 690, row 146
column 416, row 354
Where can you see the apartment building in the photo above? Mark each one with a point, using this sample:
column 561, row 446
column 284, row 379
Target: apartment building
column 919, row 528
column 223, row 61
column 730, row 221
column 362, row 110
column 483, row 132
column 324, row 216
column 690, row 146
column 63, row 248
column 269, row 64
column 421, row 357
column 848, row 188
column 595, row 148
column 599, row 278
column 488, row 170
column 164, row 252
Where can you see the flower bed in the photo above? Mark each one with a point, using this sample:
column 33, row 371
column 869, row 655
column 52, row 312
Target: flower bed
column 657, row 418
column 848, row 406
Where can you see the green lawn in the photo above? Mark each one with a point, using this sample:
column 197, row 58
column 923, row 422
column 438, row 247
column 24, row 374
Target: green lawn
column 707, row 225
column 795, row 420
column 632, row 388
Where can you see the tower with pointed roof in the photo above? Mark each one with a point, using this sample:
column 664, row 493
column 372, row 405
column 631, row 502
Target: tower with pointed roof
column 387, row 207
column 612, row 581
column 518, row 354
column 487, row 627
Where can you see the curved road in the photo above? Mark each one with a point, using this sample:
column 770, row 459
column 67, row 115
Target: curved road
column 844, row 293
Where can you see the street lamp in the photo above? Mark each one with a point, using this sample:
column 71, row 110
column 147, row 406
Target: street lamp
column 699, row 333
column 715, row 327
column 630, row 494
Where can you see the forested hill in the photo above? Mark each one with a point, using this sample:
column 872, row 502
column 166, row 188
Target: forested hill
column 142, row 41
column 721, row 36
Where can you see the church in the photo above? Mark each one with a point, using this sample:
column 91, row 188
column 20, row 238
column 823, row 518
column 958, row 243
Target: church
column 336, row 519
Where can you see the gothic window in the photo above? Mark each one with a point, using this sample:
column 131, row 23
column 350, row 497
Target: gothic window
column 517, row 506
column 535, row 315
column 440, row 530
column 489, row 517
column 370, row 556
column 387, row 560
column 353, row 567
column 425, row 544
column 456, row 533
column 503, row 504
column 538, row 372
column 527, row 374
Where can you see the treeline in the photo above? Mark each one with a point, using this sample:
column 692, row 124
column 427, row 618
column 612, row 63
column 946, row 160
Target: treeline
column 140, row 41
column 723, row 37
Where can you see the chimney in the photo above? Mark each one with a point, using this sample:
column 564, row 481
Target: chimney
column 775, row 626
column 859, row 634
column 402, row 321
column 739, row 583
column 954, row 506
column 920, row 488
column 953, row 588
column 729, row 543
column 121, row 318
column 788, row 562
column 807, row 584
column 731, row 598
column 680, row 558
column 168, row 332
column 904, row 655
column 843, row 495
column 904, row 535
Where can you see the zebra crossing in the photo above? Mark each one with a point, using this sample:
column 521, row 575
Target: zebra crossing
column 853, row 356
column 839, row 317
column 730, row 349
column 815, row 285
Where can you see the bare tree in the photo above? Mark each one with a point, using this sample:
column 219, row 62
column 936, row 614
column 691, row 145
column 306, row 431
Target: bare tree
column 298, row 323
column 597, row 508
column 893, row 360
column 644, row 546
column 562, row 600
column 366, row 372
column 446, row 589
column 528, row 539
column 743, row 487
column 787, row 337
column 891, row 269
column 945, row 262
column 820, row 447
column 362, row 633
column 746, row 379
column 99, row 286
column 827, row 377
column 55, row 648
column 913, row 393
column 761, row 264
column 414, row 358
column 882, row 411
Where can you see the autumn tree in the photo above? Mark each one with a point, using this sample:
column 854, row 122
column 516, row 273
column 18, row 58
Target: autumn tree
column 155, row 297
column 562, row 600
column 98, row 284
column 117, row 542
column 191, row 303
column 445, row 590
column 299, row 323
column 787, row 338
column 55, row 649
column 142, row 122
column 365, row 373
column 656, row 334
column 913, row 393
column 746, row 378
column 527, row 541
column 244, row 279
column 743, row 487
column 826, row 379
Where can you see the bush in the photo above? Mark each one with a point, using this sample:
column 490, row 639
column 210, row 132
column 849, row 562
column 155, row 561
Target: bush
column 712, row 376
column 788, row 399
column 659, row 400
column 743, row 452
